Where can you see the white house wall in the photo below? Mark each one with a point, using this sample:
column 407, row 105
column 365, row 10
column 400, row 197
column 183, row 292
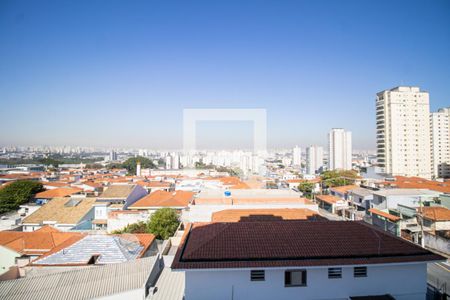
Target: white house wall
column 403, row 282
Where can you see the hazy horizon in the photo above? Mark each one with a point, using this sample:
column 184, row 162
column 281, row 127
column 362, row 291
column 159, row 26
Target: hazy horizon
column 119, row 74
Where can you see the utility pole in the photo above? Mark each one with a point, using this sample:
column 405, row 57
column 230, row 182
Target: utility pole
column 422, row 240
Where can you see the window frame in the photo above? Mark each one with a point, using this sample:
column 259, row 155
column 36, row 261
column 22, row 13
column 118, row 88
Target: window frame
column 304, row 278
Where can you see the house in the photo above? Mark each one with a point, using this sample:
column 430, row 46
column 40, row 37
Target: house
column 123, row 194
column 128, row 280
column 342, row 191
column 45, row 196
column 98, row 249
column 385, row 221
column 209, row 201
column 436, row 218
column 361, row 198
column 178, row 200
column 391, row 198
column 18, row 248
column 331, row 203
column 75, row 213
column 153, row 186
column 300, row 260
column 436, row 223
column 118, row 219
column 242, row 215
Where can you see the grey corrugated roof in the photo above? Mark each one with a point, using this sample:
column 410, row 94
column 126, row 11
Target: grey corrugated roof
column 112, row 249
column 170, row 285
column 85, row 283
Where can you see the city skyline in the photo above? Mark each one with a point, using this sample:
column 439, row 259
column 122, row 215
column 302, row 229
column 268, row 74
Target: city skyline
column 125, row 81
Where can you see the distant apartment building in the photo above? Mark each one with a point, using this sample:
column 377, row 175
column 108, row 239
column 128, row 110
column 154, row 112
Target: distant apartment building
column 314, row 159
column 440, row 143
column 403, row 132
column 340, row 149
column 297, row 156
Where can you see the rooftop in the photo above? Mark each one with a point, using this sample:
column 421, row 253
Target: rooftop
column 406, row 192
column 85, row 283
column 118, row 191
column 328, row 199
column 292, row 243
column 61, row 211
column 164, row 199
column 108, row 248
column 436, row 213
column 384, row 214
column 237, row 215
column 58, row 192
column 37, row 242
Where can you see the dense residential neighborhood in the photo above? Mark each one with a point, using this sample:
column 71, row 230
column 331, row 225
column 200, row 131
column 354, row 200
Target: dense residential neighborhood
column 225, row 150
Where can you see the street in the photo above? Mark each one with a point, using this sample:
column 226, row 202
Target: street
column 439, row 276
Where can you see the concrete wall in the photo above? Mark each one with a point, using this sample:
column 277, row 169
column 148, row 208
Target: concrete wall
column 404, row 282
column 7, row 259
column 437, row 243
column 203, row 212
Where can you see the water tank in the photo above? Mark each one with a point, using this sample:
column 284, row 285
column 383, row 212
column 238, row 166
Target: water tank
column 227, row 193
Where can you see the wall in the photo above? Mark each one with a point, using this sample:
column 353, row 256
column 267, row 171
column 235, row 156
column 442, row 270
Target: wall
column 404, row 282
column 436, row 242
column 7, row 259
column 137, row 193
column 203, row 212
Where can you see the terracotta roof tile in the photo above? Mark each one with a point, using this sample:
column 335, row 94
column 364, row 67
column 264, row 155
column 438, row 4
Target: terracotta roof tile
column 384, row 214
column 293, row 243
column 436, row 213
column 58, row 192
column 237, row 215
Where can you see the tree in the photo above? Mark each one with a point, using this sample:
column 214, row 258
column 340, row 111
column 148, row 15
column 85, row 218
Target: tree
column 131, row 163
column 338, row 177
column 139, row 227
column 18, row 193
column 163, row 223
column 306, row 188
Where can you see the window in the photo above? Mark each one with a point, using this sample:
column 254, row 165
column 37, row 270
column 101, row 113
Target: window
column 334, row 273
column 257, row 275
column 360, row 271
column 295, row 278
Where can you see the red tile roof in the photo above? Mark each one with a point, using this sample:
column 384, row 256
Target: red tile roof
column 436, row 213
column 56, row 193
column 418, row 183
column 328, row 199
column 293, row 243
column 238, row 215
column 37, row 242
column 384, row 214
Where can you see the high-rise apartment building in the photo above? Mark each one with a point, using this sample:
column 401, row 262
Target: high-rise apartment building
column 297, row 156
column 403, row 132
column 440, row 143
column 314, row 159
column 112, row 155
column 340, row 149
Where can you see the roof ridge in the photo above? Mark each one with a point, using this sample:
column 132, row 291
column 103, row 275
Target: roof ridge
column 198, row 246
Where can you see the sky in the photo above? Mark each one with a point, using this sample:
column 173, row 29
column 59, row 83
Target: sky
column 120, row 73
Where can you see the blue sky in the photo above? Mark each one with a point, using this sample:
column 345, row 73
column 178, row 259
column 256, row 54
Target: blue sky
column 120, row 73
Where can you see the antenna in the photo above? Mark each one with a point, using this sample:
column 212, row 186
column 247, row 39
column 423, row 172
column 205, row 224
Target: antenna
column 379, row 241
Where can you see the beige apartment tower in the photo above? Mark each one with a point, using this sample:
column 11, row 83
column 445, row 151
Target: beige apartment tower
column 440, row 143
column 403, row 132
